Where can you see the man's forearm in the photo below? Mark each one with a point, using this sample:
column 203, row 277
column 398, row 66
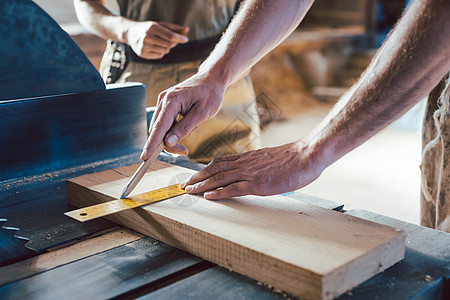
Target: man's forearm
column 95, row 16
column 253, row 33
column 408, row 66
column 411, row 62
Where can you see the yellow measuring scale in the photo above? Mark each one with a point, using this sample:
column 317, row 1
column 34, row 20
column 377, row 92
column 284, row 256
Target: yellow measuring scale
column 110, row 207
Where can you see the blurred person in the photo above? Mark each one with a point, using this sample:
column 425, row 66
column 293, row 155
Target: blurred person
column 161, row 43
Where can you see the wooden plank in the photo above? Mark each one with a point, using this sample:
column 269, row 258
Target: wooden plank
column 304, row 250
column 328, row 204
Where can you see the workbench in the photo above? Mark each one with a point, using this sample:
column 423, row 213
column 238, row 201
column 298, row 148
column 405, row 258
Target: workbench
column 55, row 127
column 100, row 260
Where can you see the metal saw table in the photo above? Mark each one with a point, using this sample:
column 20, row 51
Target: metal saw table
column 58, row 121
column 103, row 261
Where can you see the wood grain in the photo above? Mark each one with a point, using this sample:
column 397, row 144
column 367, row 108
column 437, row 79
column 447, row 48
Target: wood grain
column 308, row 251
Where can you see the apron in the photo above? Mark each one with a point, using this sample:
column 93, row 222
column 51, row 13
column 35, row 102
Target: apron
column 435, row 189
column 235, row 128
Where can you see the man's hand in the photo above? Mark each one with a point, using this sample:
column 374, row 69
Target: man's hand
column 150, row 40
column 196, row 99
column 153, row 40
column 263, row 172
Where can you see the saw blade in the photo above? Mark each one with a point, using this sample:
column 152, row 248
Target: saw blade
column 12, row 246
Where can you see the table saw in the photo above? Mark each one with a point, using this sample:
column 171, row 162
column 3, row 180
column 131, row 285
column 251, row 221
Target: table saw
column 58, row 121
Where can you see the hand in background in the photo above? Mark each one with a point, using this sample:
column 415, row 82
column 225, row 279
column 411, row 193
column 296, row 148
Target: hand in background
column 263, row 172
column 153, row 40
column 196, row 99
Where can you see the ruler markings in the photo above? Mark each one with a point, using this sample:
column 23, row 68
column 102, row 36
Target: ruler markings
column 111, row 207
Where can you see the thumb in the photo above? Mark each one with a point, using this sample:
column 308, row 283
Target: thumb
column 175, row 27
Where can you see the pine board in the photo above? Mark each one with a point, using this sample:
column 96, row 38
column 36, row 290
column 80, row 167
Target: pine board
column 302, row 249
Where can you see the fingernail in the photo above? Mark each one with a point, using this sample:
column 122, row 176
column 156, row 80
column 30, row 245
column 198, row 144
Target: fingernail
column 172, row 140
column 183, row 184
column 143, row 154
column 207, row 195
column 185, row 39
column 188, row 188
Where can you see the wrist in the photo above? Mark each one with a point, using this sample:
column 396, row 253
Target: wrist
column 126, row 34
column 216, row 70
column 320, row 156
column 213, row 76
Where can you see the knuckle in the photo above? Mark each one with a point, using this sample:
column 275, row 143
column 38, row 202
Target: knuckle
column 197, row 186
column 216, row 167
column 219, row 177
column 228, row 165
column 168, row 99
column 161, row 97
column 184, row 128
column 202, row 174
column 170, row 96
column 157, row 124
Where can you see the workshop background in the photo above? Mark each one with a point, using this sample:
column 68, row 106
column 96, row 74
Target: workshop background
column 298, row 83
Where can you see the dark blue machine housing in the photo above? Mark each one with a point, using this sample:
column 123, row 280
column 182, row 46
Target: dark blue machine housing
column 57, row 120
column 50, row 139
column 42, row 135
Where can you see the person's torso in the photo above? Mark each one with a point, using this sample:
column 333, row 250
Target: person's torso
column 205, row 18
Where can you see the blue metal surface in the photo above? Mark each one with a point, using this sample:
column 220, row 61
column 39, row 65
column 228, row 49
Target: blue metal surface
column 43, row 135
column 37, row 58
column 47, row 140
column 37, row 204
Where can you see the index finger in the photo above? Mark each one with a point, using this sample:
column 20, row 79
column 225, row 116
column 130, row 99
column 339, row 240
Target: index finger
column 170, row 35
column 162, row 121
column 217, row 165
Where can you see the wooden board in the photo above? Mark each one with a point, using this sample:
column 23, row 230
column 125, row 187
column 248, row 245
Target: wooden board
column 308, row 251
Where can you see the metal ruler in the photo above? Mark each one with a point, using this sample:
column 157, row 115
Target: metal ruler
column 111, row 207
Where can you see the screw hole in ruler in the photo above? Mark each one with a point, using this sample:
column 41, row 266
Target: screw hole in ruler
column 114, row 206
